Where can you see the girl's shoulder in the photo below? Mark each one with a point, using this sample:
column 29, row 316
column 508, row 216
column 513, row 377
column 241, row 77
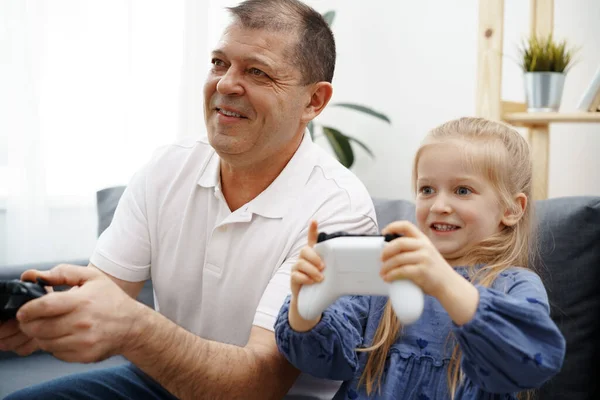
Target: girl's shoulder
column 518, row 278
column 517, row 274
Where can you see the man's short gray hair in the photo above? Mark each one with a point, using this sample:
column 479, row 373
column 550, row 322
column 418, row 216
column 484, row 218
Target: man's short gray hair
column 314, row 53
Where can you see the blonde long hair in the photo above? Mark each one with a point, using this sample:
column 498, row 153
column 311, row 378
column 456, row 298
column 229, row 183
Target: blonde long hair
column 504, row 159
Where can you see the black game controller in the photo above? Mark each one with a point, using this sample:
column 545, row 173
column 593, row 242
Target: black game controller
column 326, row 236
column 15, row 293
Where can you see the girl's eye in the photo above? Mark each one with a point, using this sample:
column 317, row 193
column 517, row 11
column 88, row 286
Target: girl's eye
column 463, row 191
column 426, row 190
column 256, row 72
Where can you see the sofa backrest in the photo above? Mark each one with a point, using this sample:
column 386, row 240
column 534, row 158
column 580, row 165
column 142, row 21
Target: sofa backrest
column 568, row 238
column 569, row 245
column 106, row 203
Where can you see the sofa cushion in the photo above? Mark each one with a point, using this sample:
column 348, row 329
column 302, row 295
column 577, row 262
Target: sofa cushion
column 569, row 246
column 393, row 210
column 106, row 203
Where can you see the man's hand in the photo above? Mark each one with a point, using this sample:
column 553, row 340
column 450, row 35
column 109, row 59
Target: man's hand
column 88, row 323
column 13, row 339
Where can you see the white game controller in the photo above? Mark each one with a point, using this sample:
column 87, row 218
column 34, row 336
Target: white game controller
column 352, row 264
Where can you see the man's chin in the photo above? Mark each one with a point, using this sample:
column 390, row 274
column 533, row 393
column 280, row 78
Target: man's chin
column 226, row 143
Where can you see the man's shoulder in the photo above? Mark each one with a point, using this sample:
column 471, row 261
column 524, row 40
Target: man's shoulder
column 182, row 155
column 182, row 160
column 330, row 170
column 178, row 151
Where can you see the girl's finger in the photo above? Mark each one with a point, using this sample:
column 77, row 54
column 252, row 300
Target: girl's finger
column 313, row 233
column 405, row 228
column 399, row 245
column 301, row 279
column 309, row 269
column 309, row 254
column 400, row 260
column 410, row 272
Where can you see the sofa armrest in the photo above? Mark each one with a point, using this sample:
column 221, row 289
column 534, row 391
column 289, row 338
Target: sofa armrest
column 15, row 271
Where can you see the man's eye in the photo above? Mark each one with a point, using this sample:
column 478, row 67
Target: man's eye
column 256, row 72
column 463, row 191
column 426, row 190
column 217, row 63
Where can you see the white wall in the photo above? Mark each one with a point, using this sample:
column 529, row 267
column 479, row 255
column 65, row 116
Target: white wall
column 416, row 61
column 574, row 163
column 73, row 237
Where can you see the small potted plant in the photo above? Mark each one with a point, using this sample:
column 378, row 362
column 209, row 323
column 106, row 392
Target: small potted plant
column 545, row 63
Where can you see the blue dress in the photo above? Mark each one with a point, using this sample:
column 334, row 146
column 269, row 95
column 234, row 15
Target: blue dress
column 510, row 345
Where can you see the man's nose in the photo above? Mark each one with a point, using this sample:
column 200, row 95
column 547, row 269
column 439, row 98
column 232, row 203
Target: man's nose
column 230, row 84
column 441, row 205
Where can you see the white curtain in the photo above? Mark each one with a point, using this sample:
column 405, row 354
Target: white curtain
column 88, row 89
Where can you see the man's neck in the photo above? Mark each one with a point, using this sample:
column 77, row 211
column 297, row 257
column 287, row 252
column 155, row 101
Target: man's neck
column 241, row 184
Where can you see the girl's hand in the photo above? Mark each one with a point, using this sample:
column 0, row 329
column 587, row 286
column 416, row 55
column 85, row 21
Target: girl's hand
column 307, row 270
column 414, row 257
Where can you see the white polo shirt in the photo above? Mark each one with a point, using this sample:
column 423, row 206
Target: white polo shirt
column 214, row 272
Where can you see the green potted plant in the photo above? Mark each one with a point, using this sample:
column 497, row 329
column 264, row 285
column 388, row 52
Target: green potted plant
column 339, row 141
column 545, row 63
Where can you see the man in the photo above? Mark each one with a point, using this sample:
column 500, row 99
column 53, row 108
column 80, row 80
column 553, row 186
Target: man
column 217, row 226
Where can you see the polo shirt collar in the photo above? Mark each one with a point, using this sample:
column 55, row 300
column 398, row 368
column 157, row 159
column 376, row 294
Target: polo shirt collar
column 211, row 174
column 276, row 200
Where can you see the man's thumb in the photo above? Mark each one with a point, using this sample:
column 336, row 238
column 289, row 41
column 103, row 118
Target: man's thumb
column 63, row 274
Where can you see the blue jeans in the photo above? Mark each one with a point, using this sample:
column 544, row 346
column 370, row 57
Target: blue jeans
column 123, row 382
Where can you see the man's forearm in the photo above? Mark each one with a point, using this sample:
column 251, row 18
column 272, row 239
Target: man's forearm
column 191, row 367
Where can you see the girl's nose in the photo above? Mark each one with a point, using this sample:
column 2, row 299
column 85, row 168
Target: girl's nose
column 441, row 205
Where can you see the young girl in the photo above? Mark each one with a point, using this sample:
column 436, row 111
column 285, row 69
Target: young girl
column 485, row 331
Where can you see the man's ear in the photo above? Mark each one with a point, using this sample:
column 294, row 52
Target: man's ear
column 513, row 214
column 320, row 95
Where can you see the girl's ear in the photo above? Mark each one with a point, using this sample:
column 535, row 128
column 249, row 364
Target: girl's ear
column 513, row 214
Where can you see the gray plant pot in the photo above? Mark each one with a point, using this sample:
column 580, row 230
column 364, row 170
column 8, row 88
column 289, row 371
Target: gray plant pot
column 543, row 90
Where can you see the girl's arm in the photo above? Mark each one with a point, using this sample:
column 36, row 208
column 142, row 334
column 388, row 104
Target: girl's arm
column 329, row 349
column 511, row 343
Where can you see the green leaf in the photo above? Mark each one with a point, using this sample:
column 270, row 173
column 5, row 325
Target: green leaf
column 365, row 110
column 328, row 17
column 361, row 144
column 358, row 142
column 341, row 146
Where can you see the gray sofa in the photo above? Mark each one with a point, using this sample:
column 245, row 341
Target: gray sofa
column 569, row 242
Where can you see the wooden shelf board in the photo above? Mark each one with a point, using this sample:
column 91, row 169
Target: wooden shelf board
column 543, row 118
